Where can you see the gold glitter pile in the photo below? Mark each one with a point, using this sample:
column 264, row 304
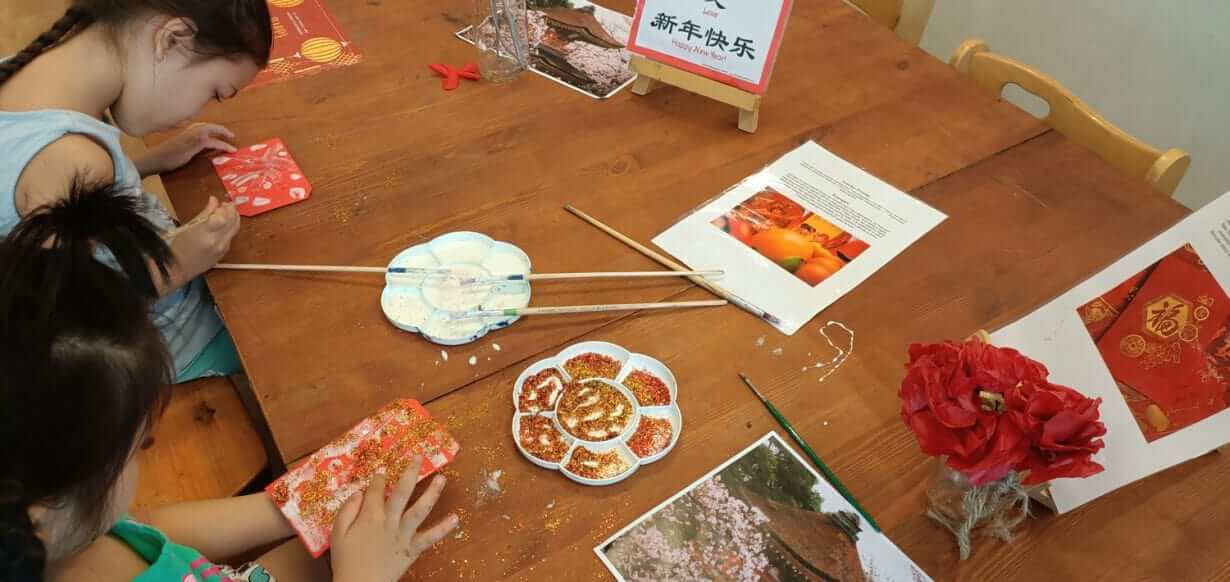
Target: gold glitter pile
column 591, row 365
column 590, row 465
column 594, row 411
column 539, row 391
column 539, row 438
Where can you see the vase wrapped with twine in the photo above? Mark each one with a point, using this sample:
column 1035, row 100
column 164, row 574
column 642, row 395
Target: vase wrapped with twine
column 996, row 508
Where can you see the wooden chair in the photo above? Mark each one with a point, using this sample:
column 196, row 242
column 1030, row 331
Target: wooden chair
column 205, row 446
column 1073, row 117
column 908, row 18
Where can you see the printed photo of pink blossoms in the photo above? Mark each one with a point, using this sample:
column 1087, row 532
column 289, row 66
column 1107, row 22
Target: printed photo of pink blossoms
column 764, row 516
column 578, row 44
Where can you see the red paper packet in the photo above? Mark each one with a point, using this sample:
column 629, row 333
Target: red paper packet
column 1101, row 313
column 1159, row 348
column 311, row 495
column 262, row 177
column 306, row 41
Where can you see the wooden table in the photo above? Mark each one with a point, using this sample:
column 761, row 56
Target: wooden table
column 395, row 162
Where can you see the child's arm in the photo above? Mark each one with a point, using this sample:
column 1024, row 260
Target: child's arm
column 221, row 528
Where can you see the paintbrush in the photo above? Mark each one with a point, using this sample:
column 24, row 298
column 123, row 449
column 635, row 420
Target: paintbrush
column 828, row 473
column 569, row 309
column 593, row 275
column 335, row 269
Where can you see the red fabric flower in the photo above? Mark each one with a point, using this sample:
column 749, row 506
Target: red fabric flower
column 941, row 403
column 954, row 399
column 1063, row 429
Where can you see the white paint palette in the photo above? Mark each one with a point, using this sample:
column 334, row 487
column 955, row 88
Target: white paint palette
column 576, row 425
column 427, row 304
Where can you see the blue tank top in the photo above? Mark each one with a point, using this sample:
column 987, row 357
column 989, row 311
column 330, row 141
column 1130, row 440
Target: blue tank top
column 186, row 317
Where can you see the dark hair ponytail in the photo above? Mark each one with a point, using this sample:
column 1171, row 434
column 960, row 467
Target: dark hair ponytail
column 22, row 555
column 83, row 371
column 224, row 28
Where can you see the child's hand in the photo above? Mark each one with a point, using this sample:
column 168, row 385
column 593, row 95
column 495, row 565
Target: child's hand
column 201, row 243
column 179, row 150
column 375, row 540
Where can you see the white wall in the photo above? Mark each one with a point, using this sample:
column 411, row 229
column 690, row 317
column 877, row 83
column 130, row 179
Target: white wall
column 1159, row 69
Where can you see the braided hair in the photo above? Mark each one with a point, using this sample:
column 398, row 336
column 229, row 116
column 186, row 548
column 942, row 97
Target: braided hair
column 72, row 19
column 224, row 28
column 83, row 371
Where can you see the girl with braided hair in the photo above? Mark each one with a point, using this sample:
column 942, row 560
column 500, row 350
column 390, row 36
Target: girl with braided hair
column 150, row 65
column 83, row 378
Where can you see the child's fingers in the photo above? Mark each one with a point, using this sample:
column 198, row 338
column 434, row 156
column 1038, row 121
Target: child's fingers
column 210, row 207
column 224, row 217
column 217, row 144
column 400, row 498
column 374, row 502
column 430, row 537
column 418, row 512
column 222, row 130
column 346, row 515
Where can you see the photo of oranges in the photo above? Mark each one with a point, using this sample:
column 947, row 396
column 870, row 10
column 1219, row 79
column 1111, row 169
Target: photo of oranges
column 797, row 240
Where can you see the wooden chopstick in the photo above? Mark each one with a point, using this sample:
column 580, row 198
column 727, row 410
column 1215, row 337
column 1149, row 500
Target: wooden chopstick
column 517, row 312
column 670, row 264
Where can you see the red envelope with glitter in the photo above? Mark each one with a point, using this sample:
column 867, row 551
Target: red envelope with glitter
column 311, row 495
column 262, row 177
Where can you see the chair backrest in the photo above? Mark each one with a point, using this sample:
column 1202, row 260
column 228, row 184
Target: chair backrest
column 908, row 18
column 1073, row 117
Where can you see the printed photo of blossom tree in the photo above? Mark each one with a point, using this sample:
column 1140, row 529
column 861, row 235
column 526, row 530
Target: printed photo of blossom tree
column 765, row 516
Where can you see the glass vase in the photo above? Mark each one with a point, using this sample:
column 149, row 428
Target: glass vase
column 501, row 34
column 997, row 508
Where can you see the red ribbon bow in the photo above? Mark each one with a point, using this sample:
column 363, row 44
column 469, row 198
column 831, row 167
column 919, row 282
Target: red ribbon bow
column 453, row 76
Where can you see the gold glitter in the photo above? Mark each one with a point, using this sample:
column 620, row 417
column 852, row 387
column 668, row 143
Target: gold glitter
column 591, row 465
column 594, row 411
column 537, row 390
column 553, row 524
column 534, row 430
column 591, row 365
column 648, row 389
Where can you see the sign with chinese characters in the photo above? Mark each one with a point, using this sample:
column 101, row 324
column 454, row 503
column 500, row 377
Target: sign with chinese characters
column 731, row 41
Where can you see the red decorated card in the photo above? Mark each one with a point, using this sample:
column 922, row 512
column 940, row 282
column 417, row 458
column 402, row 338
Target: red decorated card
column 262, row 177
column 311, row 495
column 306, row 41
column 1101, row 313
column 1162, row 350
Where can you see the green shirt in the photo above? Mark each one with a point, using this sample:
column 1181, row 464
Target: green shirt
column 168, row 561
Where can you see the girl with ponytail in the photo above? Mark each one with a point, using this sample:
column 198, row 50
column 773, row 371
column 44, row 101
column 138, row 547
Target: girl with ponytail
column 150, row 65
column 83, row 378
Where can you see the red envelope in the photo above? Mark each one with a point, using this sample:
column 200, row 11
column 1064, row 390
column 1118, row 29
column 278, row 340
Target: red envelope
column 306, row 41
column 262, row 177
column 311, row 495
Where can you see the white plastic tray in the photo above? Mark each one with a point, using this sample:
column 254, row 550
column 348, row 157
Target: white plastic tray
column 630, row 362
column 416, row 304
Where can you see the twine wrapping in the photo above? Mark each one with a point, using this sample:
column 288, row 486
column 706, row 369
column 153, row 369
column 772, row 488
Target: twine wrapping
column 999, row 507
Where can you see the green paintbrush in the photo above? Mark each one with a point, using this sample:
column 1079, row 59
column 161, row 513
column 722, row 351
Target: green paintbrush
column 828, row 473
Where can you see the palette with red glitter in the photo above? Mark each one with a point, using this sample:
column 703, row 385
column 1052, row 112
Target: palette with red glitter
column 596, row 412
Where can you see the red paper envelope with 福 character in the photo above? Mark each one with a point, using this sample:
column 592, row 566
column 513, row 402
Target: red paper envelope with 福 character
column 262, row 177
column 1161, row 349
column 311, row 495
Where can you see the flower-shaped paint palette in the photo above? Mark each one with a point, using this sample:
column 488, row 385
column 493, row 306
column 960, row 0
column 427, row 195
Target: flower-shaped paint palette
column 596, row 412
column 430, row 304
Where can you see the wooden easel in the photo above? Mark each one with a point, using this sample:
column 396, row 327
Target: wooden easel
column 653, row 73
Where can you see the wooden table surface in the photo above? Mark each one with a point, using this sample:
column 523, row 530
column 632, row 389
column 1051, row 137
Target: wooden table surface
column 395, row 162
